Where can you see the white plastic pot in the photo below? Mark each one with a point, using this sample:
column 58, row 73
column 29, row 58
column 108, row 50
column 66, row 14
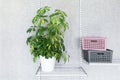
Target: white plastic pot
column 47, row 65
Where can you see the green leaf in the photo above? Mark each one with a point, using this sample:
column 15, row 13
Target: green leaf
column 53, row 15
column 42, row 52
column 28, row 39
column 63, row 47
column 42, row 11
column 57, row 56
column 61, row 12
column 34, row 59
column 65, row 57
column 29, row 30
column 35, row 19
column 33, row 29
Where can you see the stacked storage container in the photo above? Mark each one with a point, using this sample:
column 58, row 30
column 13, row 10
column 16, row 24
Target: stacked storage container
column 94, row 50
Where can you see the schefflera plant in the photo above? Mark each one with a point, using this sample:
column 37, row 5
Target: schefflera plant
column 47, row 34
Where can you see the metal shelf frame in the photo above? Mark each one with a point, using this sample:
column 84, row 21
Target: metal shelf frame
column 62, row 72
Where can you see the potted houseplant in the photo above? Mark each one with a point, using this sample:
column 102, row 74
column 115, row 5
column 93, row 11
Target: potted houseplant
column 46, row 38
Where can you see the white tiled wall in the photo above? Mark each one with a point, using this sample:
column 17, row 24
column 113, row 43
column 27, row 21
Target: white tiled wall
column 15, row 17
column 97, row 18
column 102, row 18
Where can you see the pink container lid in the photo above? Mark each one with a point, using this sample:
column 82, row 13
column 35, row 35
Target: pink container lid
column 93, row 43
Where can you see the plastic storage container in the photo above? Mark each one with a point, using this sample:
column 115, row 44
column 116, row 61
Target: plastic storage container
column 93, row 43
column 98, row 56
